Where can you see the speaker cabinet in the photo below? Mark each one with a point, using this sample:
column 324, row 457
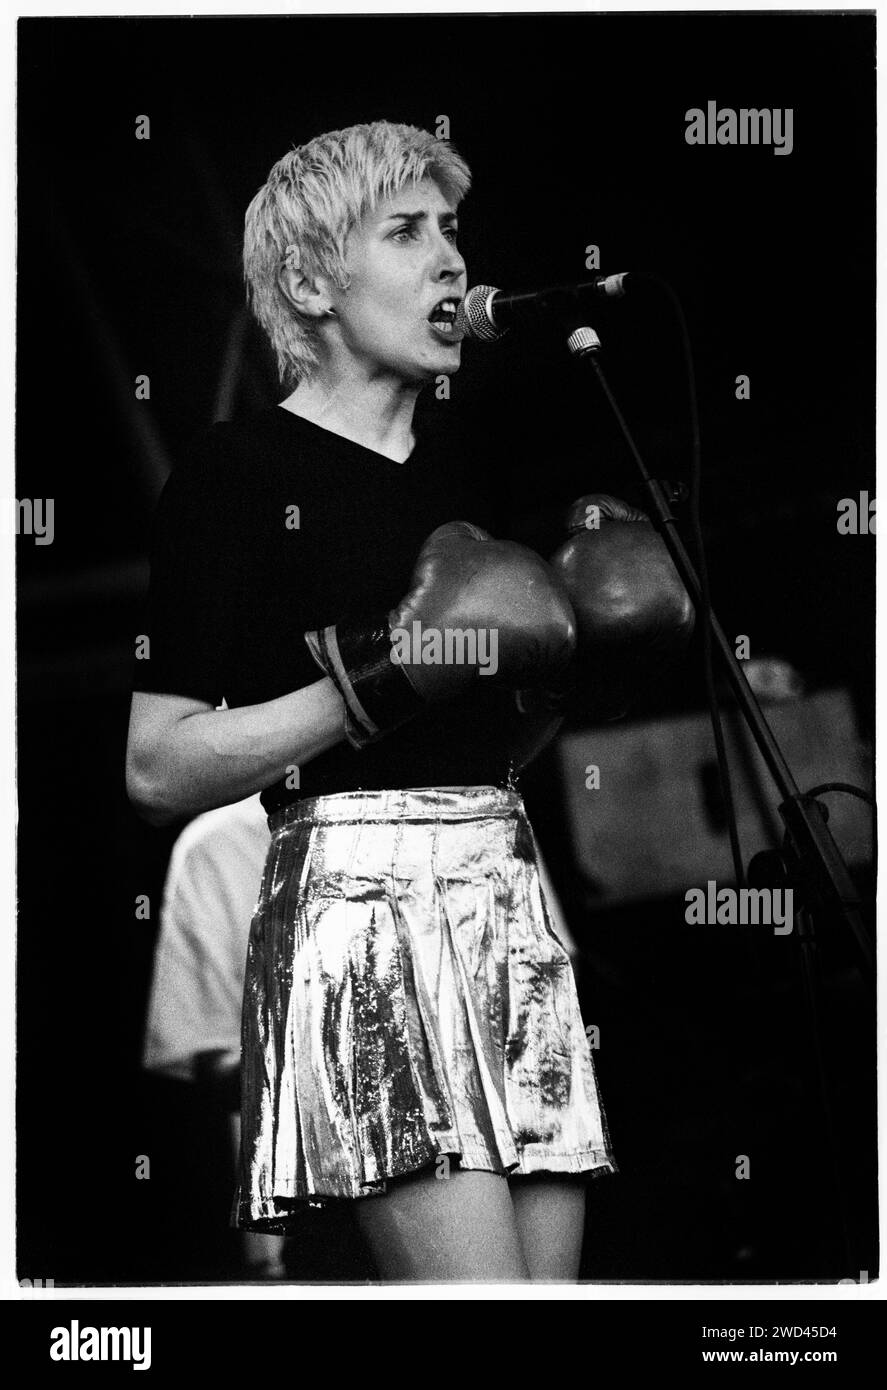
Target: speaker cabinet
column 655, row 826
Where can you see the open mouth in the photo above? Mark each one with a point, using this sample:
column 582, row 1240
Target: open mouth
column 443, row 317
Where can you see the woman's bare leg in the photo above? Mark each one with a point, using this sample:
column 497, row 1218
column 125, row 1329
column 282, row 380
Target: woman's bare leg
column 435, row 1229
column 550, row 1216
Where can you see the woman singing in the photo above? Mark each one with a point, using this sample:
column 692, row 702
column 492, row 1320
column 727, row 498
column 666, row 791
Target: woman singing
column 332, row 624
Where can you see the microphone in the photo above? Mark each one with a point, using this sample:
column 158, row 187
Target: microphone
column 486, row 312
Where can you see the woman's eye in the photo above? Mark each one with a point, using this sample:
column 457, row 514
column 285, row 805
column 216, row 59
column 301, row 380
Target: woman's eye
column 412, row 233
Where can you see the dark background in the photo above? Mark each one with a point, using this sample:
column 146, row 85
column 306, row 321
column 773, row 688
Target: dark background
column 128, row 263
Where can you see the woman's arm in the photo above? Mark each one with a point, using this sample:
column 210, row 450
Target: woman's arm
column 183, row 756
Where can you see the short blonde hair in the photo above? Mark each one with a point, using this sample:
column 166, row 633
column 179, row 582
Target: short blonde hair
column 313, row 198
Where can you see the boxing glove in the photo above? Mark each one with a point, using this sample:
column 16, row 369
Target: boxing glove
column 633, row 614
column 477, row 608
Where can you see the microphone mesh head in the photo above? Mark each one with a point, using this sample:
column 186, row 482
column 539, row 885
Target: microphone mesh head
column 474, row 316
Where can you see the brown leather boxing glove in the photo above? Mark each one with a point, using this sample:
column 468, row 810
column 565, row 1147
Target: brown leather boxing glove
column 476, row 608
column 633, row 613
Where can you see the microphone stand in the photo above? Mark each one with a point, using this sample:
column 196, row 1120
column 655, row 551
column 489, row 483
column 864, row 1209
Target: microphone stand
column 811, row 862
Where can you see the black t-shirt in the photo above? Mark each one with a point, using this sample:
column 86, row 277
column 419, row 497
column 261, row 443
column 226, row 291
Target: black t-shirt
column 272, row 526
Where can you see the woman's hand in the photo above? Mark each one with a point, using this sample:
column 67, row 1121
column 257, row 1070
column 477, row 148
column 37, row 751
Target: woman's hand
column 476, row 607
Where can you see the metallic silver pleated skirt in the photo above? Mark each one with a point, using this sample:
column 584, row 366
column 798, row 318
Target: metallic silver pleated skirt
column 406, row 998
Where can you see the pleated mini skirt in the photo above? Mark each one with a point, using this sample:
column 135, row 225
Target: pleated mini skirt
column 406, row 1000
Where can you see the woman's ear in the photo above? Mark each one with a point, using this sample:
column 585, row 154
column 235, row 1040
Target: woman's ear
column 308, row 294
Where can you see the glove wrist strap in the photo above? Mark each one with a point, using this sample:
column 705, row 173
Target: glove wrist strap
column 357, row 656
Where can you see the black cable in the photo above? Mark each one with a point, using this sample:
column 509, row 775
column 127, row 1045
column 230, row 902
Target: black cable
column 847, row 787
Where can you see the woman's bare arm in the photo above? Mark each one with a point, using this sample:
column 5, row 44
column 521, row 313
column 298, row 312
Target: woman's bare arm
column 183, row 756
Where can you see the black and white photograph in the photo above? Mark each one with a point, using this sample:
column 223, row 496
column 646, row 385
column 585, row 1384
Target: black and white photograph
column 444, row 527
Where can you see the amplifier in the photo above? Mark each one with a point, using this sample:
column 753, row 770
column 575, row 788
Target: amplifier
column 643, row 799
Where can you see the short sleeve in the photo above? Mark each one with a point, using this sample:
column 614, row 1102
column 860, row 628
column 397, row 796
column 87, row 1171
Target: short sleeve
column 191, row 603
column 210, row 895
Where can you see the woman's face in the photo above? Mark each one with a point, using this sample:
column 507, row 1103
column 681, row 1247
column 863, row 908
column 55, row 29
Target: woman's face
column 404, row 266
